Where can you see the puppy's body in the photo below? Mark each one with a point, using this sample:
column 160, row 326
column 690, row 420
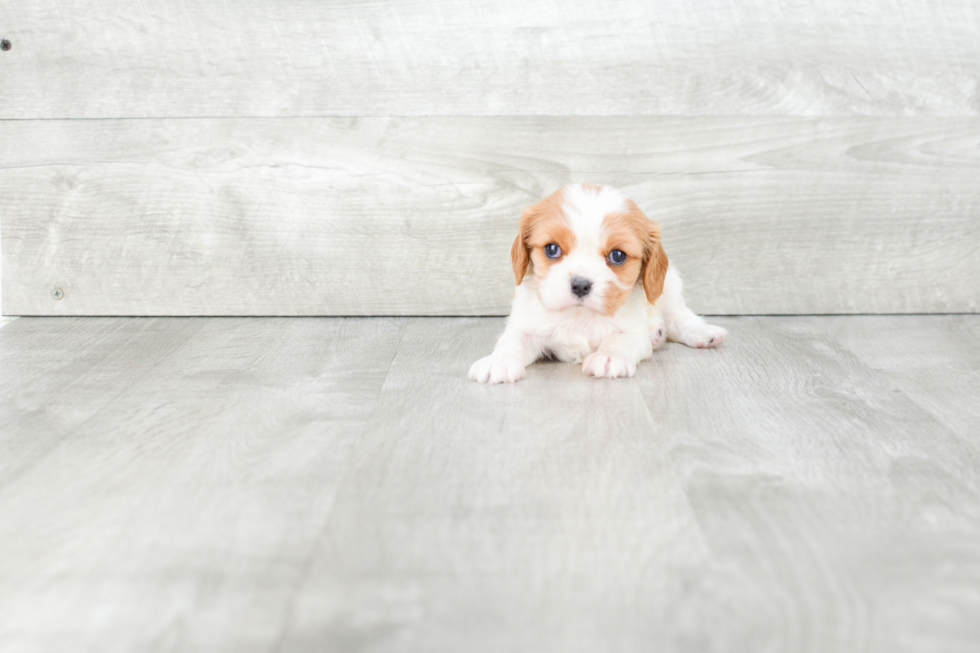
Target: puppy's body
column 599, row 292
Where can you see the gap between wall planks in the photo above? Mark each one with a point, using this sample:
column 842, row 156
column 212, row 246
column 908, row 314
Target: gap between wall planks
column 415, row 216
column 118, row 58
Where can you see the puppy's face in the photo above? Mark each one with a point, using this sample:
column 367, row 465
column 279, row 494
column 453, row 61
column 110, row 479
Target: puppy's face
column 589, row 246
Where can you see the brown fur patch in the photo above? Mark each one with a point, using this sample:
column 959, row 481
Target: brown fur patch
column 541, row 224
column 520, row 257
column 639, row 237
column 614, row 299
column 655, row 264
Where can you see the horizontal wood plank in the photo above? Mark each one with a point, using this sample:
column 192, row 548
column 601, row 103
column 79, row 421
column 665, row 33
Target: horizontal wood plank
column 207, row 58
column 403, row 216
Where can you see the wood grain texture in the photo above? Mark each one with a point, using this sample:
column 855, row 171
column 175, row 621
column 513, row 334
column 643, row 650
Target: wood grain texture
column 116, row 58
column 415, row 216
column 188, row 474
column 328, row 484
column 941, row 375
column 48, row 389
column 777, row 494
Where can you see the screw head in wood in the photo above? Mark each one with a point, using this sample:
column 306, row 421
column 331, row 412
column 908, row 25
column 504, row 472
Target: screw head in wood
column 57, row 293
column 4, row 45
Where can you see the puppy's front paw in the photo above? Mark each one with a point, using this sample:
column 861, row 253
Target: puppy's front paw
column 497, row 369
column 608, row 365
column 703, row 335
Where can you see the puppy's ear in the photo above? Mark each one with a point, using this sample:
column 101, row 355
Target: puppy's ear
column 520, row 254
column 654, row 264
column 520, row 257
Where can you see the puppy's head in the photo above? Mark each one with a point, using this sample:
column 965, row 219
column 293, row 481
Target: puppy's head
column 588, row 245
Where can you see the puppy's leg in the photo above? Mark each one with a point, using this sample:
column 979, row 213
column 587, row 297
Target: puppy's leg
column 658, row 327
column 514, row 351
column 618, row 355
column 682, row 324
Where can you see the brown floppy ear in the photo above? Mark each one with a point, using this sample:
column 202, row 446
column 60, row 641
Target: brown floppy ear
column 520, row 254
column 654, row 265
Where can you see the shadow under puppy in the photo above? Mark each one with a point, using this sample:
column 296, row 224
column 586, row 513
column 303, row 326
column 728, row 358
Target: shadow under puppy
column 593, row 287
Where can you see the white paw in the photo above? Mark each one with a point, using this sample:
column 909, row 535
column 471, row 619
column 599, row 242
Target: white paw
column 497, row 369
column 608, row 365
column 703, row 335
column 658, row 333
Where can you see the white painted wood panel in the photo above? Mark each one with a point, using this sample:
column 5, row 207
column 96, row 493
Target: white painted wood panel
column 207, row 58
column 402, row 216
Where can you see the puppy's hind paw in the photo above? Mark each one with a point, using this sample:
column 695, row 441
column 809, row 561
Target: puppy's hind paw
column 497, row 369
column 703, row 336
column 658, row 334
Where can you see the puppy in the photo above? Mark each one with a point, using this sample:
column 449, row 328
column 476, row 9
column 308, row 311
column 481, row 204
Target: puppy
column 593, row 287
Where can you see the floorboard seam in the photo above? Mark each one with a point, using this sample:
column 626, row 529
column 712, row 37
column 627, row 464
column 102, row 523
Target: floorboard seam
column 316, row 545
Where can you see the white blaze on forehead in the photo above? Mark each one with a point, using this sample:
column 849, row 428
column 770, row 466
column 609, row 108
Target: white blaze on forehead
column 586, row 208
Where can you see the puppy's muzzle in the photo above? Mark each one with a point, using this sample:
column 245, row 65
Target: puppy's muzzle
column 581, row 287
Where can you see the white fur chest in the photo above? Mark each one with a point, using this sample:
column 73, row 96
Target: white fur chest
column 572, row 334
column 571, row 340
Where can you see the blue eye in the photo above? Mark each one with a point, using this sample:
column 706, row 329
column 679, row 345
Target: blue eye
column 552, row 250
column 617, row 257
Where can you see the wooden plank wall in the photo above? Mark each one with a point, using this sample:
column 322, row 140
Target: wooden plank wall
column 304, row 157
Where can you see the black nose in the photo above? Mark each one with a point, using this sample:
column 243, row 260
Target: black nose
column 581, row 287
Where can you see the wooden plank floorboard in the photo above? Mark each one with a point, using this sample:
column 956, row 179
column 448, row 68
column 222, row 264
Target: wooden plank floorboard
column 117, row 58
column 181, row 516
column 417, row 216
column 938, row 366
column 813, row 475
column 337, row 484
column 527, row 517
column 776, row 489
column 57, row 374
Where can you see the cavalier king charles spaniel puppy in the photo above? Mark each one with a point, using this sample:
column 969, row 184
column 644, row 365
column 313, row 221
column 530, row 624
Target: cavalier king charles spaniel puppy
column 593, row 287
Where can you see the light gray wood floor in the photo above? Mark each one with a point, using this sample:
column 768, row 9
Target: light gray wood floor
column 335, row 484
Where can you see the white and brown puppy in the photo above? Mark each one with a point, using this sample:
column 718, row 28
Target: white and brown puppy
column 593, row 287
